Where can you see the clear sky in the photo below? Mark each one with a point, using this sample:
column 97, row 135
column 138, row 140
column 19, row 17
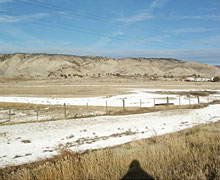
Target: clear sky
column 183, row 29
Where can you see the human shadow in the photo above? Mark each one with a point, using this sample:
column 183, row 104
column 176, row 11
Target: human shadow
column 136, row 172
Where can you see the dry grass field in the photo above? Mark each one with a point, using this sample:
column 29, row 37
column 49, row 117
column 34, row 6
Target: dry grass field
column 60, row 91
column 91, row 88
column 189, row 154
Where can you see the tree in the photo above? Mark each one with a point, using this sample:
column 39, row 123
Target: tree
column 216, row 79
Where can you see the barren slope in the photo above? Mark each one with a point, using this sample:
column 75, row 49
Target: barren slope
column 57, row 65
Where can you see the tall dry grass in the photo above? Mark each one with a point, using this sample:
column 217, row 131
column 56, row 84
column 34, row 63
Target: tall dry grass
column 189, row 154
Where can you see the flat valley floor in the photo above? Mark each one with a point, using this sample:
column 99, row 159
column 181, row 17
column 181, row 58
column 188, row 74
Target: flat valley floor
column 28, row 140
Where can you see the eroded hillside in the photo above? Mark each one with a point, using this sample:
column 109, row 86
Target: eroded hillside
column 46, row 65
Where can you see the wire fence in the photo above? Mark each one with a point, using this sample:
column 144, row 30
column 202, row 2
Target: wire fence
column 65, row 111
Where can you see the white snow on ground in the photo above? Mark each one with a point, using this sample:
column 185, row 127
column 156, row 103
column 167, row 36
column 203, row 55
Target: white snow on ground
column 95, row 132
column 146, row 96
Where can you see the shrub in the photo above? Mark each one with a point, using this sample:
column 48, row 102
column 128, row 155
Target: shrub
column 26, row 141
column 216, row 79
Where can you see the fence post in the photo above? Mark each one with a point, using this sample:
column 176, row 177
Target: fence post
column 140, row 103
column 198, row 100
column 179, row 101
column 167, row 101
column 189, row 101
column 106, row 107
column 123, row 101
column 37, row 112
column 9, row 114
column 64, row 105
column 154, row 102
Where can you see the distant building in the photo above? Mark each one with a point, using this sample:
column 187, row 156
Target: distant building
column 197, row 79
column 190, row 79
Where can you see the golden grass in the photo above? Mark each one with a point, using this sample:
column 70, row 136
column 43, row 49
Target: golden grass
column 128, row 111
column 21, row 106
column 90, row 87
column 189, row 93
column 60, row 91
column 26, row 141
column 189, row 154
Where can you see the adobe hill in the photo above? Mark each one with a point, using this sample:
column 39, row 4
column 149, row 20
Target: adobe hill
column 46, row 65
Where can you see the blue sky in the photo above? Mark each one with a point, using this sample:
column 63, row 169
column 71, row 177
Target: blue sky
column 187, row 30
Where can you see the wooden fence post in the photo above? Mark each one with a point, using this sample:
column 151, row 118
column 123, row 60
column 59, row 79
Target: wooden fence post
column 106, row 107
column 64, row 105
column 37, row 113
column 198, row 100
column 140, row 103
column 123, row 101
column 9, row 114
column 179, row 101
column 167, row 101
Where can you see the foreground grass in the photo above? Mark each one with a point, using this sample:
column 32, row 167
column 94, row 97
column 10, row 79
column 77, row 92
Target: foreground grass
column 189, row 154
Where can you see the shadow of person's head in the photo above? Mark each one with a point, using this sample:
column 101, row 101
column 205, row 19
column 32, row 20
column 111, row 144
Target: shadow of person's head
column 134, row 166
column 136, row 172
